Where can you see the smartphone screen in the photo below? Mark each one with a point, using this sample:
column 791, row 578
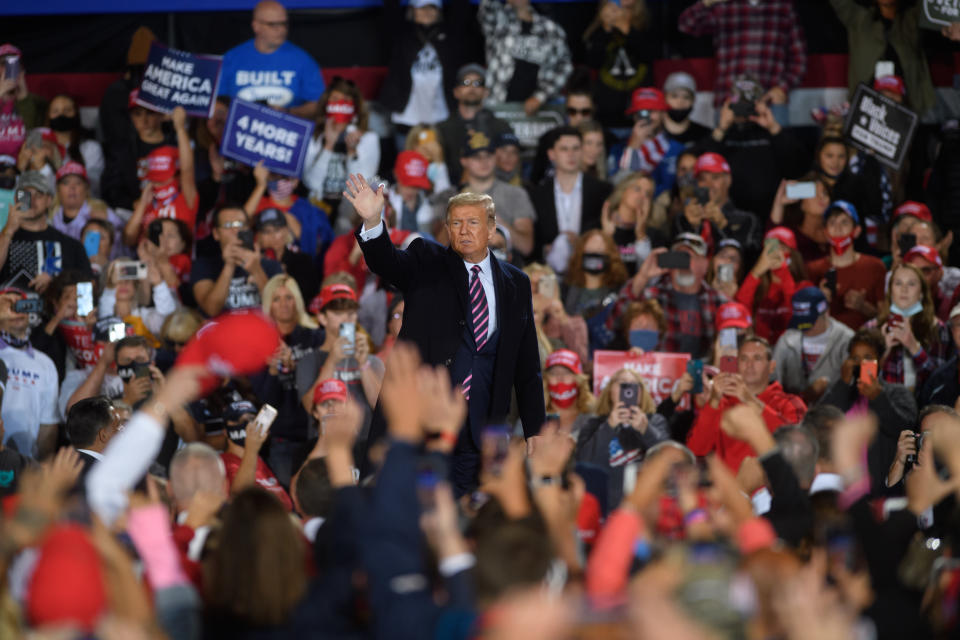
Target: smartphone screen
column 801, row 190
column 695, row 369
column 348, row 330
column 28, row 305
column 628, row 393
column 84, row 298
column 728, row 338
column 831, row 279
column 868, row 371
column 674, row 260
column 725, row 272
column 265, row 418
column 494, row 447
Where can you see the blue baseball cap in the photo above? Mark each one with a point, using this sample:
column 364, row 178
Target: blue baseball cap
column 809, row 304
column 844, row 206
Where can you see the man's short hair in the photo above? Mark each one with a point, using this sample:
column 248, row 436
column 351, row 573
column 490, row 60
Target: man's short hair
column 799, row 448
column 870, row 337
column 470, row 199
column 226, row 207
column 565, row 130
column 755, row 339
column 313, row 489
column 821, row 420
column 195, row 467
column 86, row 419
column 931, row 409
column 132, row 342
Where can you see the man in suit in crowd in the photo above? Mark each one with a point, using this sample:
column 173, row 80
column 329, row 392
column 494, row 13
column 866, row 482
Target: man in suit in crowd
column 91, row 423
column 568, row 203
column 464, row 309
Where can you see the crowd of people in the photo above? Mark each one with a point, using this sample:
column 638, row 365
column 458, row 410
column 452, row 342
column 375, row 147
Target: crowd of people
column 243, row 404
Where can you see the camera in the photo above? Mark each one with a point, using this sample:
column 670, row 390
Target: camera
column 918, row 440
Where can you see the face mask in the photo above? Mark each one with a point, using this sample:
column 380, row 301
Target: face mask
column 841, row 244
column 623, row 237
column 238, row 433
column 832, row 176
column 14, row 341
column 340, row 111
column 685, row 279
column 281, row 189
column 65, row 123
column 594, row 263
column 500, row 255
column 563, row 394
column 126, row 372
column 679, row 115
column 910, row 311
column 686, row 180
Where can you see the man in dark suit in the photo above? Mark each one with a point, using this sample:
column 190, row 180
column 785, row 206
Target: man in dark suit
column 464, row 309
column 91, row 423
column 568, row 203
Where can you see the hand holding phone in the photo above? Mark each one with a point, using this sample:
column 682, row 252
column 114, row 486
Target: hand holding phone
column 674, row 260
column 84, row 298
column 348, row 330
column 801, row 190
column 695, row 369
column 868, row 371
column 831, row 281
column 628, row 394
column 265, row 418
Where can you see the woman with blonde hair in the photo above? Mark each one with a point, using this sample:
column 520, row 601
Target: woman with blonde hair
column 425, row 140
column 277, row 384
column 562, row 330
column 626, row 218
column 566, row 391
column 626, row 425
column 917, row 342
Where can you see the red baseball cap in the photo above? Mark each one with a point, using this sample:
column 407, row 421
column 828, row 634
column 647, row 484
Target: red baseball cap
column 784, row 235
column 67, row 586
column 71, row 168
column 330, row 389
column 913, row 208
column 217, row 346
column 160, row 165
column 890, row 83
column 8, row 49
column 565, row 358
column 648, row 98
column 711, row 162
column 411, row 170
column 733, row 315
column 928, row 253
column 330, row 293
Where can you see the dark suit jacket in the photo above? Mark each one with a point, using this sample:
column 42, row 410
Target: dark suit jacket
column 545, row 228
column 434, row 285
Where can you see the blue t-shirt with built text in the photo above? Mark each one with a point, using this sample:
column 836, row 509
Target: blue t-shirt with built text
column 285, row 78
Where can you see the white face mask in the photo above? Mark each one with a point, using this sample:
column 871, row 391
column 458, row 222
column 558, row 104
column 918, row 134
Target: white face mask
column 685, row 279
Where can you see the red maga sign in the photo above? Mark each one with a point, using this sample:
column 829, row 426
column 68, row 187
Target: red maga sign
column 657, row 370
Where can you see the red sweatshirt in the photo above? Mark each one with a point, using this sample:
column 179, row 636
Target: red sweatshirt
column 772, row 314
column 779, row 408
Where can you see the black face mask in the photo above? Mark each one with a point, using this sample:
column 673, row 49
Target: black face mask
column 679, row 115
column 126, row 372
column 624, row 236
column 65, row 123
column 594, row 263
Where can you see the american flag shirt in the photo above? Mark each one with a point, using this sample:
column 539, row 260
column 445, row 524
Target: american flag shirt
column 762, row 39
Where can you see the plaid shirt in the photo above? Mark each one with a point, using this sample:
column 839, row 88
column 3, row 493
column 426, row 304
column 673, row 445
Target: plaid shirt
column 925, row 362
column 765, row 41
column 501, row 30
column 663, row 292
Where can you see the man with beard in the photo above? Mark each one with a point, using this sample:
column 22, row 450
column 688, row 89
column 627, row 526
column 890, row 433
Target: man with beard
column 470, row 115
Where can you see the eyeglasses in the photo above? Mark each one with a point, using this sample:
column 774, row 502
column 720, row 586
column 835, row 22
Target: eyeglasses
column 472, row 83
column 236, row 224
column 276, row 24
column 579, row 112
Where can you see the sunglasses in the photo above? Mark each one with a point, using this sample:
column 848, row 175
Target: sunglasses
column 579, row 112
column 472, row 83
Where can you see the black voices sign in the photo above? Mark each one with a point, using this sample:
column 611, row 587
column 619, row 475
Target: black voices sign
column 878, row 125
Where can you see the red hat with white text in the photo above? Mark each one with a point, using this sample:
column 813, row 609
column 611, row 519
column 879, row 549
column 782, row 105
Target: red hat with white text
column 565, row 358
column 411, row 170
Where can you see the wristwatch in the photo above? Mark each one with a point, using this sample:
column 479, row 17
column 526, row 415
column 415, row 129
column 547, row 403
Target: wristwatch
column 537, row 482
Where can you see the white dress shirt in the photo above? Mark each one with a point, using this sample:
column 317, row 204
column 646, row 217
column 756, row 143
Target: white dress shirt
column 486, row 275
column 568, row 205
